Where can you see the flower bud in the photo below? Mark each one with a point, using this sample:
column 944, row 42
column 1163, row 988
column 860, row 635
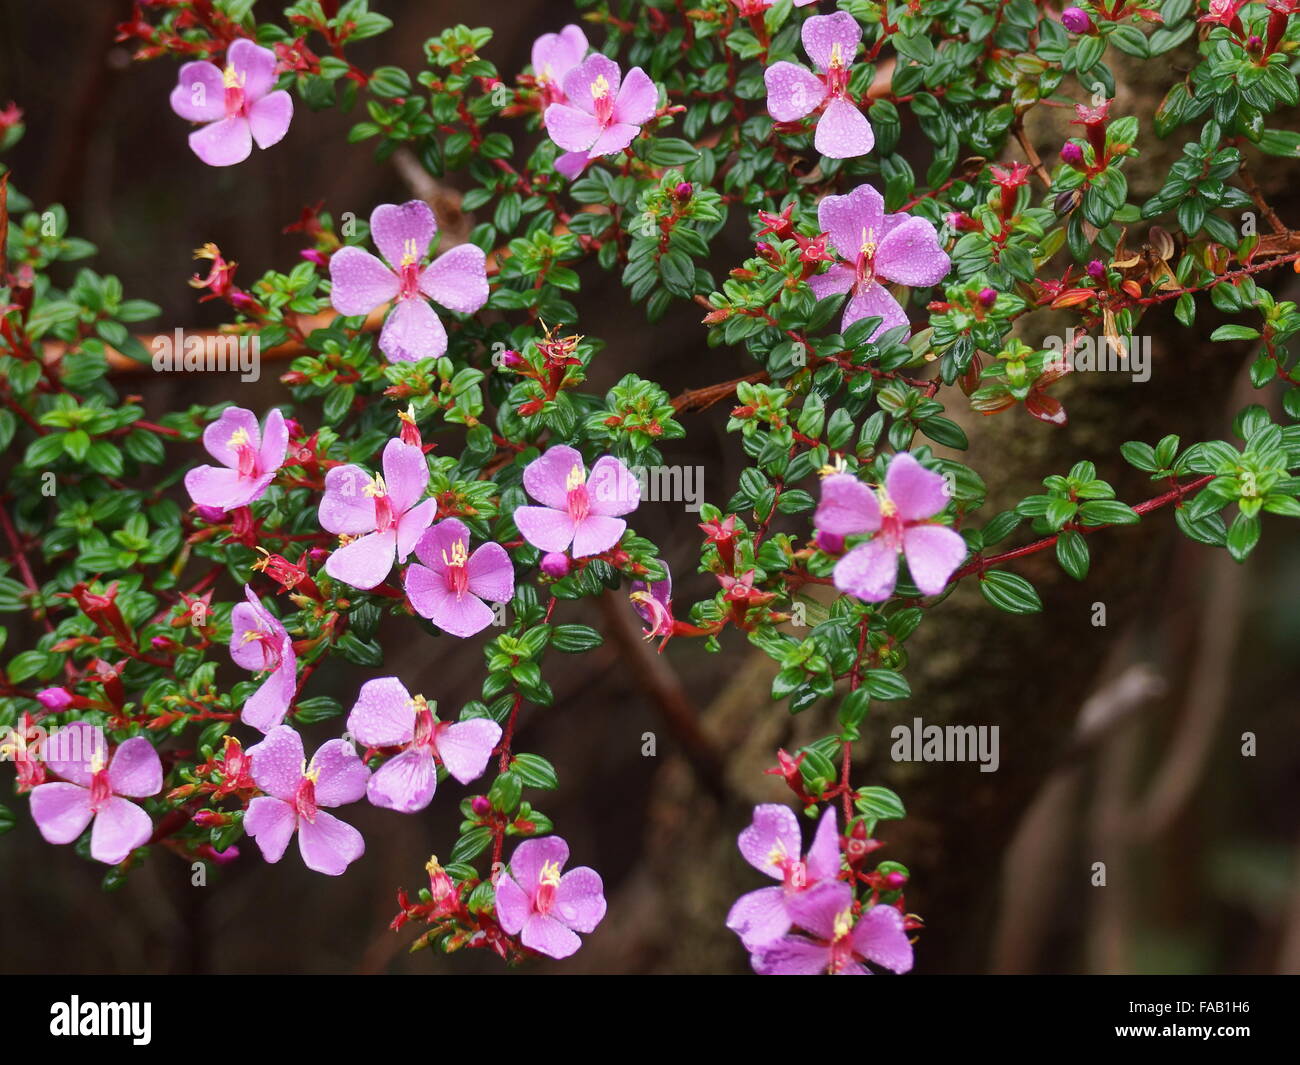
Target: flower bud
column 988, row 297
column 1072, row 155
column 1076, row 20
column 1096, row 270
column 895, row 881
column 480, row 805
column 555, row 564
column 54, row 699
column 684, row 191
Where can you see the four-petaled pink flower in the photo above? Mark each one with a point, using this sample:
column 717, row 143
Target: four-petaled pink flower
column 604, row 111
column 549, row 908
column 577, row 509
column 877, row 246
column 386, row 715
column 360, row 282
column 840, row 944
column 554, row 55
column 897, row 514
column 381, row 516
column 772, row 845
column 450, row 587
column 93, row 788
column 831, row 42
column 236, row 104
column 250, row 456
column 295, row 793
column 259, row 642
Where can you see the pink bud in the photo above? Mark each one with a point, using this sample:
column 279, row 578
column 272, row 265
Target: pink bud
column 684, row 191
column 511, row 359
column 1072, row 155
column 480, row 805
column 1096, row 270
column 54, row 699
column 895, row 880
column 555, row 564
column 1076, row 20
column 313, row 256
column 988, row 297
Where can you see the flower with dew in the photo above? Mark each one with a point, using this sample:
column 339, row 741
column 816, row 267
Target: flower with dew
column 653, row 602
column 831, row 42
column 836, row 943
column 554, row 55
column 897, row 513
column 548, row 907
column 236, row 104
column 360, row 282
column 876, row 247
column 576, row 509
column 380, row 518
column 603, row 111
column 450, row 586
column 97, row 788
column 296, row 791
column 772, row 845
column 259, row 642
column 752, row 8
column 387, row 715
column 249, row 457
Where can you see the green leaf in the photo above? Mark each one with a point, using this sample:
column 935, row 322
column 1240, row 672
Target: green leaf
column 574, row 639
column 1072, row 553
column 886, row 684
column 535, row 771
column 1010, row 592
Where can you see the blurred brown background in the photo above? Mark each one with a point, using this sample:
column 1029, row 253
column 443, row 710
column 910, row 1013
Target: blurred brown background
column 1119, row 744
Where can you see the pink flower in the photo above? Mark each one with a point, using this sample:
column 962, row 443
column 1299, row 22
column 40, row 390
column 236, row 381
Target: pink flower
column 839, row 945
column 295, row 793
column 94, row 791
column 381, row 516
column 604, row 112
column 360, row 282
column 893, row 247
column 897, row 514
column 757, row 7
column 250, row 456
column 547, row 907
column 554, row 55
column 831, row 42
column 450, row 587
column 259, row 642
column 772, row 845
column 578, row 510
column 236, row 104
column 385, row 715
column 653, row 602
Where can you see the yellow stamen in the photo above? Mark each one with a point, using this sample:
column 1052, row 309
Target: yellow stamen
column 431, row 866
column 410, row 252
column 231, row 79
column 777, row 854
column 311, row 772
column 418, row 703
column 238, row 438
column 888, row 508
column 375, row 487
column 97, row 762
column 407, row 415
column 576, row 479
column 459, row 554
column 599, row 88
column 843, row 922
column 837, row 56
column 832, row 468
column 550, row 873
column 869, row 243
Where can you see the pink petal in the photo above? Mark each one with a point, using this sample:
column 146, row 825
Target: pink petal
column 571, row 164
column 412, row 332
column 933, row 552
column 223, row 143
column 847, row 507
column 879, row 936
column 217, row 435
column 546, row 477
column 402, row 230
column 252, row 617
column 544, row 528
column 200, row 93
column 269, row 118
column 277, row 763
column 529, row 857
column 439, row 541
column 513, row 904
column 271, row 823
column 359, row 282
column 466, row 746
column 596, row 534
column 120, row 827
column 136, row 769
column 366, row 562
column 773, row 833
column 555, row 54
column 837, row 280
column 759, row 917
column 267, row 707
column 918, row 493
column 411, row 526
column 911, row 255
column 405, row 783
column 873, row 300
column 329, row 845
column 792, row 91
column 822, row 33
column 383, row 715
column 580, row 82
column 406, row 474
column 548, row 936
column 572, row 129
column 869, row 571
column 612, row 489
column 275, row 442
column 457, row 279
column 637, row 100
column 432, row 599
column 345, row 508
column 852, row 219
column 843, row 131
column 824, row 854
column 215, row 486
column 491, row 574
column 792, row 956
column 61, row 811
column 614, row 138
column 255, row 66
column 816, row 909
column 343, row 774
column 68, row 751
column 580, row 899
